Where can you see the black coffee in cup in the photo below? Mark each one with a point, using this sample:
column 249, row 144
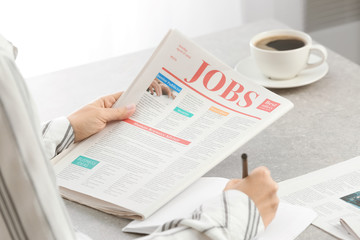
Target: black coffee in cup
column 280, row 43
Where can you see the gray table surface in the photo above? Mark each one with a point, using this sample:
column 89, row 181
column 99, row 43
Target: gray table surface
column 320, row 131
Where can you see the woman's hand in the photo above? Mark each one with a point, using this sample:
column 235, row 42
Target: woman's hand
column 93, row 117
column 262, row 189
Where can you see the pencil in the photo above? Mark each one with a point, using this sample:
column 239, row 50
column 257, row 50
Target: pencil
column 244, row 165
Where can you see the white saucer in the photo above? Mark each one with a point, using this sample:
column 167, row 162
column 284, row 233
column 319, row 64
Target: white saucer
column 248, row 69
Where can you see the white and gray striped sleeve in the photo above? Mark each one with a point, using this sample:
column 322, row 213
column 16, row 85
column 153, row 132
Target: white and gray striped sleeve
column 231, row 215
column 30, row 204
column 57, row 136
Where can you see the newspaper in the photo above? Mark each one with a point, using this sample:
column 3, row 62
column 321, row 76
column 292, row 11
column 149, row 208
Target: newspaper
column 333, row 192
column 204, row 112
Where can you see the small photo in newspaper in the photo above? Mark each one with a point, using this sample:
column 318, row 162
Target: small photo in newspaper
column 353, row 199
column 162, row 86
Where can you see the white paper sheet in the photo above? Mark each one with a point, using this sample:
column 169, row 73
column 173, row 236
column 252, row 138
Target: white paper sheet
column 289, row 222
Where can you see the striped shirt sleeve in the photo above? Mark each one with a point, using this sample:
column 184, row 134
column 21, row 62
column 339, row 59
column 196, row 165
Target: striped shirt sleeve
column 30, row 204
column 57, row 135
column 229, row 216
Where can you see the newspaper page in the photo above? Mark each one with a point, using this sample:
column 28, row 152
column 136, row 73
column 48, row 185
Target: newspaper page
column 203, row 113
column 333, row 192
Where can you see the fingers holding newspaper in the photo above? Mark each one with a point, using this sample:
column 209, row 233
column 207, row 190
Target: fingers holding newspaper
column 262, row 189
column 93, row 117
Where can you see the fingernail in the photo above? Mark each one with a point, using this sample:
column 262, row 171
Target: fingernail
column 130, row 107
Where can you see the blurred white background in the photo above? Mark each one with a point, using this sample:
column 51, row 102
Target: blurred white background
column 52, row 35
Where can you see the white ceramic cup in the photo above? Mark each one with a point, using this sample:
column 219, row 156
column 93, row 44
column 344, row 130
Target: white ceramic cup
column 285, row 64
